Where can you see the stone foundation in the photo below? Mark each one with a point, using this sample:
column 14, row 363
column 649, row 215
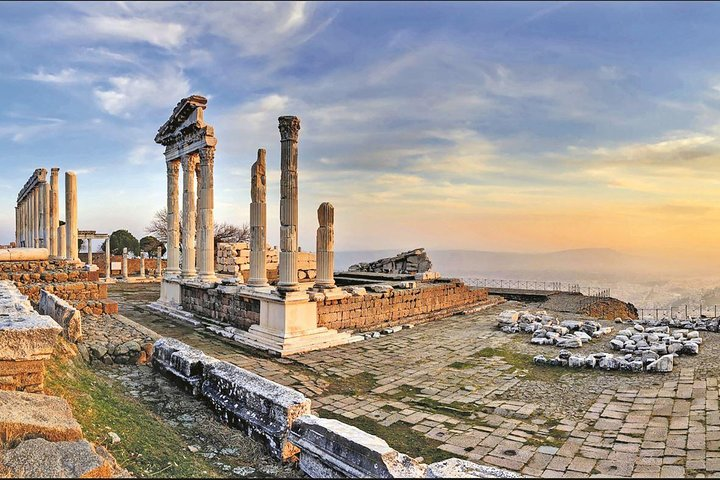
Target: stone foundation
column 236, row 310
column 428, row 301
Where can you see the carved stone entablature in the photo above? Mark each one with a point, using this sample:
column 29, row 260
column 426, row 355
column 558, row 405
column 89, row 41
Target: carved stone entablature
column 186, row 130
column 38, row 176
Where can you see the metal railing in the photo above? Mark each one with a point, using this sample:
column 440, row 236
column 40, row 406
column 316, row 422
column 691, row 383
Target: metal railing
column 682, row 312
column 549, row 286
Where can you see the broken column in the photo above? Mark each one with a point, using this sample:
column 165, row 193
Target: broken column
column 325, row 247
column 258, row 222
column 205, row 227
column 189, row 163
column 124, row 272
column 71, row 233
column 289, row 127
column 54, row 211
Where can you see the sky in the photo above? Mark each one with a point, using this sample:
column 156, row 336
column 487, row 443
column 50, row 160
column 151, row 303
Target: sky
column 528, row 126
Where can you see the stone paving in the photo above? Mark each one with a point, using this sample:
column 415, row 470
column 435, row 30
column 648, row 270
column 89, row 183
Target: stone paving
column 460, row 387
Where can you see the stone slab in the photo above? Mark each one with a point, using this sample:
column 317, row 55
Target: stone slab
column 457, row 468
column 23, row 254
column 38, row 458
column 25, row 415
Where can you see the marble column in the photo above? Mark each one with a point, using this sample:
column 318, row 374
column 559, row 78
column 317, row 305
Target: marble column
column 206, row 221
column 289, row 130
column 62, row 243
column 325, row 256
column 17, row 226
column 189, row 216
column 173, row 218
column 258, row 222
column 142, row 264
column 108, row 259
column 54, row 210
column 124, row 272
column 159, row 262
column 35, row 217
column 71, row 225
column 89, row 256
column 45, row 214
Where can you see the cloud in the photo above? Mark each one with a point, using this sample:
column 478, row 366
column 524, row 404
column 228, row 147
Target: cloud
column 37, row 128
column 144, row 154
column 126, row 93
column 64, row 76
column 131, row 29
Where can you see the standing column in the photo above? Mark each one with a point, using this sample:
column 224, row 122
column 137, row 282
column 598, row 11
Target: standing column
column 173, row 218
column 45, row 214
column 35, row 217
column 54, row 211
column 289, row 129
column 71, row 228
column 108, row 260
column 124, row 264
column 258, row 222
column 142, row 264
column 159, row 262
column 206, row 221
column 17, row 225
column 189, row 216
column 89, row 258
column 325, row 255
column 62, row 243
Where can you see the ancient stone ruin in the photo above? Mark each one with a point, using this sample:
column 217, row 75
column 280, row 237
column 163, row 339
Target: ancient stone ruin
column 410, row 262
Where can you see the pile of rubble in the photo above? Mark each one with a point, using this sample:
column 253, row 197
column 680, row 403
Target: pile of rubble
column 648, row 361
column 657, row 339
column 547, row 330
column 702, row 323
column 410, row 262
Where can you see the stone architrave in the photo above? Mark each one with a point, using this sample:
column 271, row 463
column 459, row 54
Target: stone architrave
column 54, row 210
column 124, row 272
column 158, row 271
column 188, row 139
column 205, row 217
column 189, row 163
column 71, row 225
column 325, row 247
column 289, row 127
column 142, row 264
column 258, row 222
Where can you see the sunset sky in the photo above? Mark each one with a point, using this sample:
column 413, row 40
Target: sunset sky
column 488, row 126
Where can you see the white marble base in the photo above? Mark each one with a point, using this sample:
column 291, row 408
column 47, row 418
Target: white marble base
column 170, row 291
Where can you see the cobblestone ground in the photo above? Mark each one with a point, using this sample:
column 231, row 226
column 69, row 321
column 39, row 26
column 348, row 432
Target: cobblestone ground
column 460, row 387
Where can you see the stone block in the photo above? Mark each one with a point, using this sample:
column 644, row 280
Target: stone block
column 263, row 409
column 24, row 415
column 63, row 313
column 457, row 468
column 332, row 449
column 181, row 362
column 38, row 458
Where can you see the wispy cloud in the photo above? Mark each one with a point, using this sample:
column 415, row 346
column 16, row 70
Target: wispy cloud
column 124, row 94
column 64, row 76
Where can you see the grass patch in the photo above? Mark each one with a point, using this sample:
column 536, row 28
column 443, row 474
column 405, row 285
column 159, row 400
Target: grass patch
column 355, row 385
column 399, row 436
column 461, row 365
column 523, row 362
column 148, row 447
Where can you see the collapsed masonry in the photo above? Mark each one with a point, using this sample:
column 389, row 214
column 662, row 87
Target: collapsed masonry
column 280, row 418
column 234, row 259
column 410, row 262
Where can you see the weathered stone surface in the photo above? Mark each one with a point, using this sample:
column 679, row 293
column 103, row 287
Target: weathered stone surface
column 67, row 316
column 23, row 254
column 34, row 415
column 329, row 448
column 410, row 262
column 182, row 362
column 457, row 468
column 265, row 410
column 39, row 458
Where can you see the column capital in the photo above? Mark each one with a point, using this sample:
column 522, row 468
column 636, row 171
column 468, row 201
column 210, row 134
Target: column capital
column 289, row 127
column 173, row 167
column 207, row 155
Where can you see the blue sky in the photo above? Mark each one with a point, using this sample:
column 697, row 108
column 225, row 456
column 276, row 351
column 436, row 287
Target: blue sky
column 493, row 126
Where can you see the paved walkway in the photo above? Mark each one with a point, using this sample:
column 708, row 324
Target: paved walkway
column 460, row 387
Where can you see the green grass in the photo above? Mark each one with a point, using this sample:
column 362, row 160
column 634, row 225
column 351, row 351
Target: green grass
column 148, row 446
column 399, row 436
column 359, row 384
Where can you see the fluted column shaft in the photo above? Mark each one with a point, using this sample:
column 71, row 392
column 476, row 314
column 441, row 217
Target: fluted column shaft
column 124, row 267
column 62, row 242
column 44, row 192
column 35, row 217
column 71, row 219
column 289, row 130
column 205, row 217
column 325, row 255
column 189, row 216
column 173, row 218
column 258, row 222
column 108, row 260
column 54, row 211
column 17, row 225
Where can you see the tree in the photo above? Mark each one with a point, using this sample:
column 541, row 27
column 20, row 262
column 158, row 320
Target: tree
column 120, row 239
column 150, row 245
column 224, row 232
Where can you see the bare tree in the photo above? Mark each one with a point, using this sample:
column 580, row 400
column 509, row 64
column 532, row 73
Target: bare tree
column 224, row 232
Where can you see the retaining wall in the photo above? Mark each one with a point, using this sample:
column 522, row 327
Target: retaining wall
column 67, row 316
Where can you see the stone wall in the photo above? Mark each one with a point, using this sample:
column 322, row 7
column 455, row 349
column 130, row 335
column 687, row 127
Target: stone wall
column 113, row 339
column 133, row 264
column 67, row 316
column 238, row 311
column 426, row 302
column 234, row 259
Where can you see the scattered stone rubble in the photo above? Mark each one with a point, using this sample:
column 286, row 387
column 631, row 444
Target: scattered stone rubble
column 547, row 330
column 280, row 417
column 410, row 262
column 703, row 324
